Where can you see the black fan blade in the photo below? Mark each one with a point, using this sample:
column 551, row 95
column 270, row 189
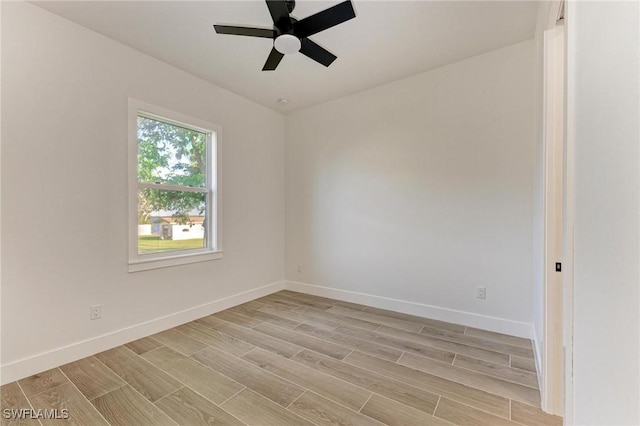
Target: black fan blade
column 326, row 19
column 279, row 13
column 317, row 52
column 273, row 60
column 245, row 31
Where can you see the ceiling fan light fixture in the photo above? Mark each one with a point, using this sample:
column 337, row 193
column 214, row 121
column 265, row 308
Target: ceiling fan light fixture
column 287, row 43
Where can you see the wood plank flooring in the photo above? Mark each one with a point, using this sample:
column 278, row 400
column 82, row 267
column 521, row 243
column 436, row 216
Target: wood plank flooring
column 295, row 359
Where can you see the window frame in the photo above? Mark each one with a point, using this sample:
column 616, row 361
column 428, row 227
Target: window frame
column 142, row 262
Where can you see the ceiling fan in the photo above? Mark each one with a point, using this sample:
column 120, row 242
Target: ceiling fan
column 290, row 35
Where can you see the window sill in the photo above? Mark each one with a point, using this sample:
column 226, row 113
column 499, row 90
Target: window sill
column 173, row 260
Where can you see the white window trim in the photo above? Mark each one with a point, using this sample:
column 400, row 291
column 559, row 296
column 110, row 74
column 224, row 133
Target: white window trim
column 145, row 262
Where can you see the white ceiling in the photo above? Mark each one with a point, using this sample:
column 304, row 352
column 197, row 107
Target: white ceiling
column 387, row 41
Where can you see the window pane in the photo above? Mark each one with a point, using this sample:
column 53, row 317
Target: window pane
column 171, row 154
column 171, row 220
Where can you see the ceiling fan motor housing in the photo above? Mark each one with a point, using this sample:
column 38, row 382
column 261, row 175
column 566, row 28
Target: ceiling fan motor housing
column 286, row 42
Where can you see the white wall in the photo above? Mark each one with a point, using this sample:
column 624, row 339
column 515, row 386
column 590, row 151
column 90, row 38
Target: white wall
column 64, row 159
column 420, row 190
column 604, row 96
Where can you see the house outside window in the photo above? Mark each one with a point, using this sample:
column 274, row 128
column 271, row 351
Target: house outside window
column 173, row 188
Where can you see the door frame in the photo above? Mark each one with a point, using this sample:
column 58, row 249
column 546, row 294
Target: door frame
column 568, row 202
column 557, row 243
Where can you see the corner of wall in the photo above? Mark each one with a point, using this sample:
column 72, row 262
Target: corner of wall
column 537, row 356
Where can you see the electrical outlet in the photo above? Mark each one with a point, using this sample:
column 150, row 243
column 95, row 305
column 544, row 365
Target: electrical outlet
column 299, row 268
column 95, row 312
column 481, row 292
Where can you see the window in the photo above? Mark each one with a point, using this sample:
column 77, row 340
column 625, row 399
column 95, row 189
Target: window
column 173, row 192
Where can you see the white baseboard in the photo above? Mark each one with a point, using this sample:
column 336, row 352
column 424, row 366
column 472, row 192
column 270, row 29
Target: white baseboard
column 35, row 364
column 485, row 322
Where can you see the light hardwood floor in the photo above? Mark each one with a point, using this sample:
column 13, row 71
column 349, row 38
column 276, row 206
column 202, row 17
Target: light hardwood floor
column 295, row 359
